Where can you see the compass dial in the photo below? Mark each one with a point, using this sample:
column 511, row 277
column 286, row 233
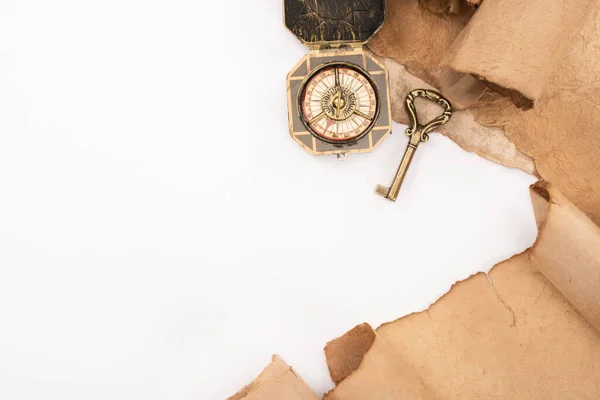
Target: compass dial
column 339, row 103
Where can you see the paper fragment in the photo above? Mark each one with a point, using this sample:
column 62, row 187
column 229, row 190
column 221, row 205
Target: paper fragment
column 346, row 353
column 277, row 382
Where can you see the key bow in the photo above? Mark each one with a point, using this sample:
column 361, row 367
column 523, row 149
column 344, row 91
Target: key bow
column 423, row 130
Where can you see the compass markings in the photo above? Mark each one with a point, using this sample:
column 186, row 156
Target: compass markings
column 358, row 103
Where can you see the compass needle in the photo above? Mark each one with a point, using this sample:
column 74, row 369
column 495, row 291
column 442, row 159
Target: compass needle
column 363, row 115
column 316, row 118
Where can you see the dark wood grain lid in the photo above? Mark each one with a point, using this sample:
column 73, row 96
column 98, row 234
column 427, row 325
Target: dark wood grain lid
column 323, row 21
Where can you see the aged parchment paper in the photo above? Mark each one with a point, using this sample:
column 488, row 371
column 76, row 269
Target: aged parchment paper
column 277, row 382
column 540, row 53
column 489, row 142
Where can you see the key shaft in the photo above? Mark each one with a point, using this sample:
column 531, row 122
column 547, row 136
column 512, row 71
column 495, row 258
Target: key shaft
column 391, row 192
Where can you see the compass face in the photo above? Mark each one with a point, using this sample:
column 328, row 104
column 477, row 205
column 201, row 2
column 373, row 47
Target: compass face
column 339, row 103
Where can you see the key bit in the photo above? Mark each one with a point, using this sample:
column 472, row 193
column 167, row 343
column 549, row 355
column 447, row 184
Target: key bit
column 418, row 133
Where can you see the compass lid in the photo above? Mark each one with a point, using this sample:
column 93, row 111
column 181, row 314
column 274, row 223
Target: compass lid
column 323, row 21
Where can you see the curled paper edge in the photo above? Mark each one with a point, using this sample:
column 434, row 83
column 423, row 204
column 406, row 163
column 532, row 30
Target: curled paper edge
column 567, row 250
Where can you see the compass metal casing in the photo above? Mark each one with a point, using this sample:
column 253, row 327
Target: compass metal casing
column 372, row 69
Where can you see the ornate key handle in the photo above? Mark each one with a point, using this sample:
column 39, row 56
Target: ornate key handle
column 418, row 133
column 431, row 125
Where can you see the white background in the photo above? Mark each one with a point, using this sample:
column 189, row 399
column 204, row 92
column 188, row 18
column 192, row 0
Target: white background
column 160, row 233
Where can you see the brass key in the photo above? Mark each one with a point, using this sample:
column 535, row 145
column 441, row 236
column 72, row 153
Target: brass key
column 418, row 133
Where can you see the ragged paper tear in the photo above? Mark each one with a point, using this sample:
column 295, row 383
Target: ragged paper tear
column 528, row 330
column 545, row 52
column 515, row 337
column 488, row 142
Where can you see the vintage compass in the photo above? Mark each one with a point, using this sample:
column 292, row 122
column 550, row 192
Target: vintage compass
column 338, row 97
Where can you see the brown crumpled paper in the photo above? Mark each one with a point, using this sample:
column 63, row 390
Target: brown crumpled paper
column 542, row 52
column 419, row 39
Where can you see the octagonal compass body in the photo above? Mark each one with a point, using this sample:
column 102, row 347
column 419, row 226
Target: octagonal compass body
column 338, row 97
